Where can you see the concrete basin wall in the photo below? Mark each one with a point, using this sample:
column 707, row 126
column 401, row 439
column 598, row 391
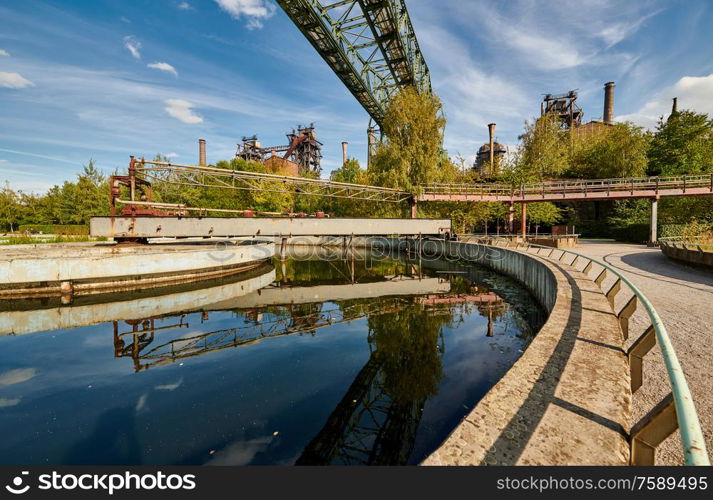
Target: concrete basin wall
column 687, row 255
column 536, row 276
column 79, row 267
column 567, row 399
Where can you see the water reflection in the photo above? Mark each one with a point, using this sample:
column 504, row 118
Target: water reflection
column 435, row 338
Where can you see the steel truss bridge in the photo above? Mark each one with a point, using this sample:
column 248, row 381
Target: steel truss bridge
column 192, row 175
column 573, row 190
column 369, row 44
column 566, row 190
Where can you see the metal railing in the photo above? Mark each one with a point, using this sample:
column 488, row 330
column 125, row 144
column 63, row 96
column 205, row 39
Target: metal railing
column 676, row 410
column 564, row 187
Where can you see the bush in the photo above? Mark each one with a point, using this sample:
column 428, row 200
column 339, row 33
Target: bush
column 671, row 230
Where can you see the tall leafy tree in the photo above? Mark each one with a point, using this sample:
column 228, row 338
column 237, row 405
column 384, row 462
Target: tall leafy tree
column 412, row 154
column 683, row 144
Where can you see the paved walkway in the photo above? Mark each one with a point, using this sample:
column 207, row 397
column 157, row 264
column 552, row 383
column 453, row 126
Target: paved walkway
column 683, row 297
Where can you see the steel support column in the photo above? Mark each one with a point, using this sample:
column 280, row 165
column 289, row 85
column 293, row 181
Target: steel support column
column 653, row 221
column 511, row 218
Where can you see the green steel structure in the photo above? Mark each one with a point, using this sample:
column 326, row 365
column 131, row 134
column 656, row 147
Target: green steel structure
column 369, row 44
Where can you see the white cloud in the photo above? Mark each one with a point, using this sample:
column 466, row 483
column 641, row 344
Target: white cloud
column 3, row 161
column 172, row 155
column 133, row 46
column 254, row 10
column 184, row 6
column 164, row 66
column 7, row 402
column 14, row 81
column 693, row 92
column 4, row 53
column 182, row 110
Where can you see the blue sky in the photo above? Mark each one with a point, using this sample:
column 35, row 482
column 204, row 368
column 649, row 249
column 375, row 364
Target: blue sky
column 103, row 79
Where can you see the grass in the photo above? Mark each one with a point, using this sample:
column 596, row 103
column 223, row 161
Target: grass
column 60, row 238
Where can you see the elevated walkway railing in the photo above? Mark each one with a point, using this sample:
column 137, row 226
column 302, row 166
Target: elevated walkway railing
column 676, row 410
column 574, row 186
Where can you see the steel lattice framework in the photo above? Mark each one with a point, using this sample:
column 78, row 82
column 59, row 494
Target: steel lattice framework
column 370, row 44
column 190, row 175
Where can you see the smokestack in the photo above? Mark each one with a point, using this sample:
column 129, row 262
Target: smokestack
column 344, row 153
column 491, row 133
column 609, row 103
column 674, row 108
column 371, row 135
column 201, row 152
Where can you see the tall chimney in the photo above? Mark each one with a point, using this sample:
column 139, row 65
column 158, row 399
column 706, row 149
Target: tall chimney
column 344, row 153
column 609, row 103
column 201, row 152
column 371, row 151
column 674, row 108
column 491, row 133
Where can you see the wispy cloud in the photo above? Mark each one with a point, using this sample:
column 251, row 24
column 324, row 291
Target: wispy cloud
column 14, row 81
column 164, row 66
column 184, row 6
column 693, row 92
column 133, row 46
column 35, row 155
column 4, row 53
column 182, row 110
column 255, row 11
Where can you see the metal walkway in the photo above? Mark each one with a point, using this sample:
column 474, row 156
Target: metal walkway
column 573, row 190
column 369, row 44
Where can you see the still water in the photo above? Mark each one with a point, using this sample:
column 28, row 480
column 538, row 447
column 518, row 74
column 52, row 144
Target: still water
column 344, row 361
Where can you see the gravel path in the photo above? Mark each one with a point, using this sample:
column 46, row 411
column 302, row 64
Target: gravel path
column 683, row 297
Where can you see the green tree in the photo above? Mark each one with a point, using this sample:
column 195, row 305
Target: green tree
column 619, row 150
column 412, row 153
column 9, row 208
column 545, row 151
column 682, row 145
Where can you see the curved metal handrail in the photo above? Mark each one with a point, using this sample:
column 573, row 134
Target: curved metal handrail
column 692, row 441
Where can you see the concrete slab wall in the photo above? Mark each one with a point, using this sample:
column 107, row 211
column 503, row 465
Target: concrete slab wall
column 155, row 227
column 688, row 255
column 28, row 268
